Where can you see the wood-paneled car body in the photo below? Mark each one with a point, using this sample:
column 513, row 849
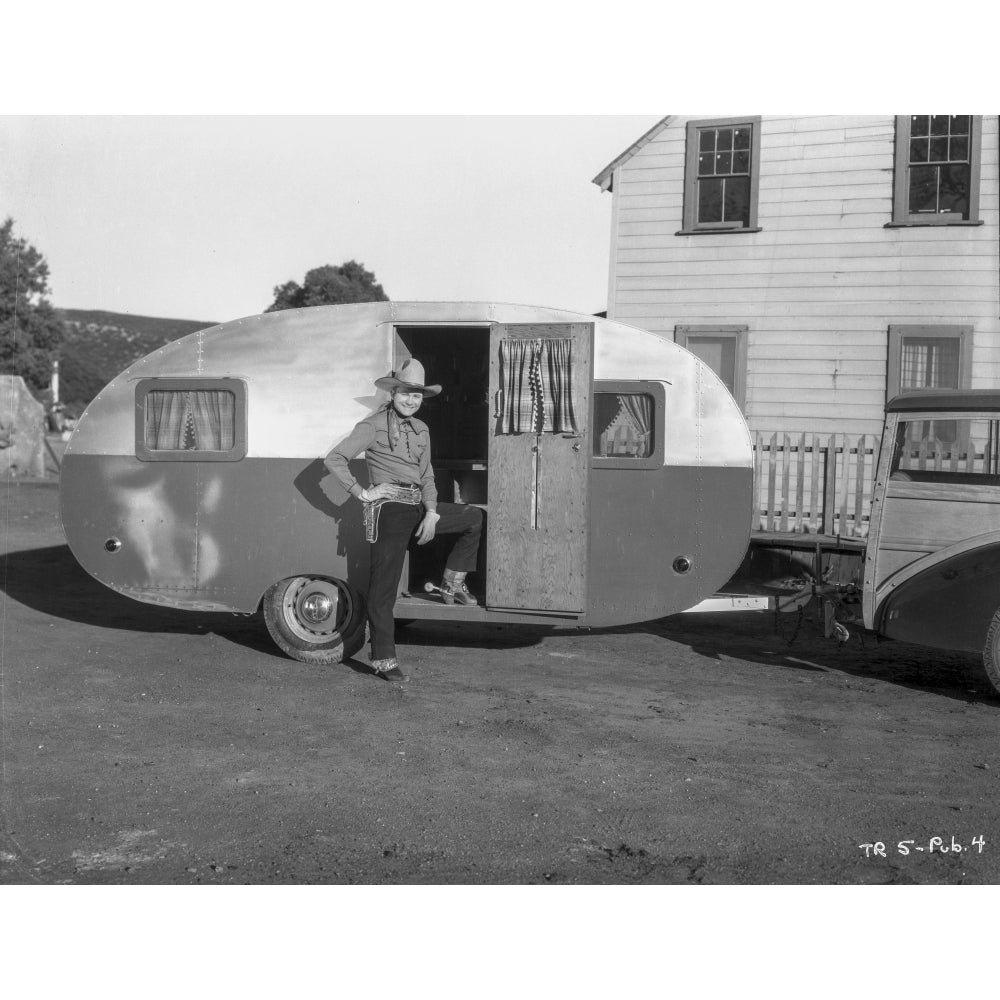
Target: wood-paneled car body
column 932, row 563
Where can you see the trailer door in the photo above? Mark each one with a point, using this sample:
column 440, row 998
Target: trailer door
column 539, row 466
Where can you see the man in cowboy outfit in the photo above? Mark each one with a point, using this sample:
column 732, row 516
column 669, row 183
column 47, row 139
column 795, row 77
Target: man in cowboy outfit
column 401, row 503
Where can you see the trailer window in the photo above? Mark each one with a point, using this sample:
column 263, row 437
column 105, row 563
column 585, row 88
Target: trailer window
column 972, row 456
column 190, row 419
column 623, row 425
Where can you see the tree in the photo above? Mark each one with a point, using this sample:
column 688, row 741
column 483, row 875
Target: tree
column 329, row 285
column 30, row 331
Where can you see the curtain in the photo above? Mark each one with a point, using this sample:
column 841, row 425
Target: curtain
column 930, row 362
column 165, row 417
column 639, row 407
column 519, row 415
column 179, row 420
column 556, row 389
column 214, row 424
column 537, row 387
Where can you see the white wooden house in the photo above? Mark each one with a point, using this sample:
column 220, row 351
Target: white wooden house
column 820, row 264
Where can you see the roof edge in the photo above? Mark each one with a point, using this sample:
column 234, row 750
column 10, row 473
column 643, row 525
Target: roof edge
column 919, row 400
column 605, row 178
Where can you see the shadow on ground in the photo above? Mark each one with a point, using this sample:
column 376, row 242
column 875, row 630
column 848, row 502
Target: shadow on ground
column 50, row 581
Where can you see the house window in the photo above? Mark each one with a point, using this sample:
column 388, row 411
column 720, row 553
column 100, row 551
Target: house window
column 721, row 175
column 190, row 420
column 723, row 349
column 937, row 170
column 628, row 419
column 929, row 357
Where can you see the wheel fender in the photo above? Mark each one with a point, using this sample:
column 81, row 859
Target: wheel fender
column 945, row 600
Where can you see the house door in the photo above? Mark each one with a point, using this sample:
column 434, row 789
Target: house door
column 539, row 466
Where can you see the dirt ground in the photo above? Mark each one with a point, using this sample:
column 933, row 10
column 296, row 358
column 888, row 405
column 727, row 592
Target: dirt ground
column 148, row 746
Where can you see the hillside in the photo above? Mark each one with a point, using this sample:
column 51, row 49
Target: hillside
column 101, row 344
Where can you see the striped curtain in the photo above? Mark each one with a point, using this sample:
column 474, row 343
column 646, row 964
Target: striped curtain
column 930, row 362
column 165, row 420
column 181, row 420
column 639, row 407
column 213, row 414
column 537, row 387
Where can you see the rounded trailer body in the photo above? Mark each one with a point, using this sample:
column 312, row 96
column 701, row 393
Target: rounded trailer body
column 195, row 479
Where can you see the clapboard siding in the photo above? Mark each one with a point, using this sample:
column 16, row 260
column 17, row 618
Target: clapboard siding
column 819, row 285
column 941, row 241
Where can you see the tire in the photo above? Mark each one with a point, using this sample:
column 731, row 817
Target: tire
column 991, row 652
column 315, row 619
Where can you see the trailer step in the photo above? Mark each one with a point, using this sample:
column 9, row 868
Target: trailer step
column 733, row 602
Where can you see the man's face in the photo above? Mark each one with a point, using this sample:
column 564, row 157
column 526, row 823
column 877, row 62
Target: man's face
column 407, row 403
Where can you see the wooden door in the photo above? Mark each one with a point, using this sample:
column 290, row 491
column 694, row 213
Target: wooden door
column 539, row 466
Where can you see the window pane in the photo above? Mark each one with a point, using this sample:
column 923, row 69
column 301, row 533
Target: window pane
column 710, row 200
column 720, row 189
column 958, row 149
column 942, row 451
column 719, row 353
column 736, row 207
column 939, row 150
column 181, row 420
column 923, row 189
column 920, row 125
column 623, row 425
column 919, row 148
column 930, row 363
column 960, row 124
column 954, row 189
column 939, row 124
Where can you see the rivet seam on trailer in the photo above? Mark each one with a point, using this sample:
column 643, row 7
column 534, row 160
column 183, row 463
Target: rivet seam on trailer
column 197, row 532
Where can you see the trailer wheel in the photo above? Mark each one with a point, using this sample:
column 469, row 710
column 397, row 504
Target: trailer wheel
column 991, row 652
column 315, row 619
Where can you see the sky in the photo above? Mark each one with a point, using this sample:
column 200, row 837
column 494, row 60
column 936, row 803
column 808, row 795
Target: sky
column 201, row 217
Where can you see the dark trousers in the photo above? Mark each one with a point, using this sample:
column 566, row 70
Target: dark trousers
column 396, row 524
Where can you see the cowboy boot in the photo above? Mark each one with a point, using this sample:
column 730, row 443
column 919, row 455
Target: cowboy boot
column 454, row 590
column 389, row 669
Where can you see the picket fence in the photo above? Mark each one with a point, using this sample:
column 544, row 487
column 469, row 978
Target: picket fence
column 814, row 483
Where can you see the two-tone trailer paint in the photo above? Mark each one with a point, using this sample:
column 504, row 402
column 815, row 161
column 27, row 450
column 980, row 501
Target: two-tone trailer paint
column 195, row 478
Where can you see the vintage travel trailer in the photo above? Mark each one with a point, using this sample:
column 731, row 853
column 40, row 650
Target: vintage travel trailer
column 195, row 478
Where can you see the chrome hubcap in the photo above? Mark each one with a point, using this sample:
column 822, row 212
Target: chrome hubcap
column 315, row 609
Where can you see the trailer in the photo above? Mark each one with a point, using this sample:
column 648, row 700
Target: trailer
column 195, row 479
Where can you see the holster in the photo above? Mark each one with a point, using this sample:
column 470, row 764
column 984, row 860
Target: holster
column 399, row 494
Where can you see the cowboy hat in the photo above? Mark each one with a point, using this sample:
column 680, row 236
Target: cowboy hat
column 410, row 376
